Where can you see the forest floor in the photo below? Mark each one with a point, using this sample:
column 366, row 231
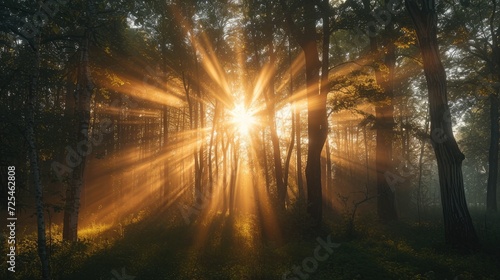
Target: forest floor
column 156, row 246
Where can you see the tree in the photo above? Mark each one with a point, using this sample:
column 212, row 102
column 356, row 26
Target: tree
column 384, row 118
column 459, row 230
column 316, row 103
column 34, row 162
column 262, row 34
column 491, row 190
column 89, row 31
column 476, row 30
column 33, row 93
column 493, row 67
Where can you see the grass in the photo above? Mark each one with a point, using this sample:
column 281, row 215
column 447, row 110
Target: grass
column 154, row 246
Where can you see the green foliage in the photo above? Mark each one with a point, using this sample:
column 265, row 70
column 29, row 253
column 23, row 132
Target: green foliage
column 354, row 89
column 232, row 248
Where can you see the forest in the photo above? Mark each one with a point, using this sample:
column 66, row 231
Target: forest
column 249, row 139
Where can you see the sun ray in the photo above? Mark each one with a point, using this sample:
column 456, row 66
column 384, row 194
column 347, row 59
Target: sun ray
column 242, row 120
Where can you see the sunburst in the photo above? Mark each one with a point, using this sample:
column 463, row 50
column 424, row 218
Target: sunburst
column 242, row 119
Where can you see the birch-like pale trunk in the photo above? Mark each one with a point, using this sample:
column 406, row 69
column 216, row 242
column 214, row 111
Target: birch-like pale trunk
column 82, row 113
column 34, row 159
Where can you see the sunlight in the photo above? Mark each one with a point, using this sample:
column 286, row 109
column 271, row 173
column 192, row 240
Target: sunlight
column 94, row 230
column 242, row 119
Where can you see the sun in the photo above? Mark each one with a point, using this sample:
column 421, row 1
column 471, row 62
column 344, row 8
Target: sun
column 242, row 119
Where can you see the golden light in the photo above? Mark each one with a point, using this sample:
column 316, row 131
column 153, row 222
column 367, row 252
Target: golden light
column 242, row 119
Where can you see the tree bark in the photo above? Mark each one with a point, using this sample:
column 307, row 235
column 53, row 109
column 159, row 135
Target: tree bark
column 325, row 88
column 211, row 148
column 298, row 132
column 83, row 145
column 270, row 101
column 491, row 191
column 459, row 230
column 494, row 66
column 269, row 95
column 384, row 123
column 316, row 109
column 165, row 188
column 292, row 133
column 316, row 117
column 420, row 172
column 34, row 159
column 386, row 200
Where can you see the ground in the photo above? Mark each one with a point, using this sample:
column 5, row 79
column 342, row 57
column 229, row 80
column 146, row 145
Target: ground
column 159, row 246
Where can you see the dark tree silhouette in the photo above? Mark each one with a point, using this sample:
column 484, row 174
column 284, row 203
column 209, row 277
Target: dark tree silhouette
column 459, row 230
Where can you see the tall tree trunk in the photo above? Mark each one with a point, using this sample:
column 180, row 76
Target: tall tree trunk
column 491, row 195
column 281, row 188
column 384, row 123
column 384, row 111
column 211, row 148
column 83, row 145
column 459, row 230
column 234, row 160
column 297, row 128
column 329, row 177
column 166, row 164
column 35, row 168
column 289, row 153
column 325, row 87
column 264, row 164
column 199, row 147
column 300, row 179
column 292, row 133
column 225, row 158
column 420, row 171
column 494, row 66
column 278, row 167
column 316, row 108
column 317, row 127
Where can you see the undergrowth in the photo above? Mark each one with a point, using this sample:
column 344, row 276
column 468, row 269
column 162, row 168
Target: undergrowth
column 154, row 246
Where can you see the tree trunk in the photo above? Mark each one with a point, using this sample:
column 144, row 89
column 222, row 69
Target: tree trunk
column 316, row 117
column 278, row 168
column 325, row 88
column 235, row 147
column 386, row 199
column 211, row 148
column 281, row 188
column 459, row 230
column 165, row 188
column 300, row 179
column 384, row 123
column 316, row 103
column 494, row 66
column 35, row 168
column 420, row 172
column 83, row 145
column 289, row 153
column 491, row 195
column 296, row 128
column 265, row 163
column 292, row 133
